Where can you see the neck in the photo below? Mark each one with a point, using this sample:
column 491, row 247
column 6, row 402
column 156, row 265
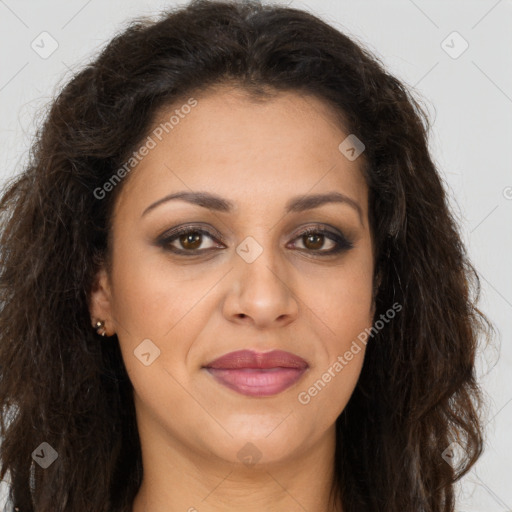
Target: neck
column 178, row 478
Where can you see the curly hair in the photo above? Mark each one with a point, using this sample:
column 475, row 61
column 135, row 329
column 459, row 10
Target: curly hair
column 417, row 392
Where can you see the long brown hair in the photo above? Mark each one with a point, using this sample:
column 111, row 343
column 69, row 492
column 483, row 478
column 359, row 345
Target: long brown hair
column 60, row 383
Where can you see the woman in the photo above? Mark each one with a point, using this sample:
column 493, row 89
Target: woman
column 231, row 280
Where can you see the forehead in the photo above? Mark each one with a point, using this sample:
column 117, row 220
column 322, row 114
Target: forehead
column 240, row 147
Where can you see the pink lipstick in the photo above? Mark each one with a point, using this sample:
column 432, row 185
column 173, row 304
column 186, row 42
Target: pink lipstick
column 258, row 373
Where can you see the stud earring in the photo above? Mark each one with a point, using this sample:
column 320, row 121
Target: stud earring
column 100, row 328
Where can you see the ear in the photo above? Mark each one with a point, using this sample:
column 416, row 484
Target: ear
column 100, row 305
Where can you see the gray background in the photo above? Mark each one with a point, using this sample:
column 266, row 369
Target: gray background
column 469, row 99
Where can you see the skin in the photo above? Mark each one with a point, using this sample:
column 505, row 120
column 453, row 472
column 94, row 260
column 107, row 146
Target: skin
column 196, row 308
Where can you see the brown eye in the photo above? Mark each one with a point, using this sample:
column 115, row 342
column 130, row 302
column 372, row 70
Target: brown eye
column 188, row 239
column 191, row 240
column 314, row 241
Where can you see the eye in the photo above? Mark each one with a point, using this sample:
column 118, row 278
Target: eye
column 314, row 239
column 188, row 239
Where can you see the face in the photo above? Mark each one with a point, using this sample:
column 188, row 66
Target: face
column 241, row 275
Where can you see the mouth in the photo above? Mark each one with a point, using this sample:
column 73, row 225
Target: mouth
column 258, row 374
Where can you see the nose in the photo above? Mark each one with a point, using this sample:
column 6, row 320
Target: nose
column 261, row 293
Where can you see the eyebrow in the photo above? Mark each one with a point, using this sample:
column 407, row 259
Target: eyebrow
column 295, row 204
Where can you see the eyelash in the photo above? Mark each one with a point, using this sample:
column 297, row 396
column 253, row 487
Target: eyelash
column 164, row 241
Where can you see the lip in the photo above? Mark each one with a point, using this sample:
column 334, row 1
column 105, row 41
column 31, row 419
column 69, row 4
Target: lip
column 258, row 373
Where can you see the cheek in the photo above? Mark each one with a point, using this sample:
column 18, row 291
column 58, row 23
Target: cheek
column 342, row 300
column 342, row 310
column 326, row 393
column 156, row 301
column 150, row 295
column 344, row 321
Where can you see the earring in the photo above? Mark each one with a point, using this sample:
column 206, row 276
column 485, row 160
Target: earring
column 100, row 327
